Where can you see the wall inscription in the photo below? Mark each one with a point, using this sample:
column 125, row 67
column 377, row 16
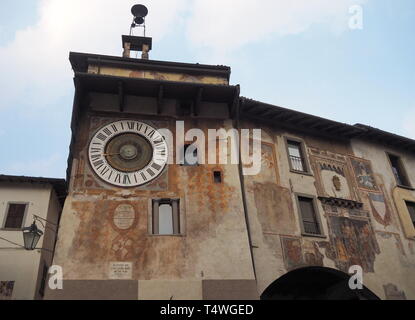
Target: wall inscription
column 124, row 216
column 120, row 270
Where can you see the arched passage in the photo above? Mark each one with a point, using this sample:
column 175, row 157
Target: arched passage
column 315, row 283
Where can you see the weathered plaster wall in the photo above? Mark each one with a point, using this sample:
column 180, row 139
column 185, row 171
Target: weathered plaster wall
column 396, row 265
column 17, row 264
column 369, row 236
column 214, row 238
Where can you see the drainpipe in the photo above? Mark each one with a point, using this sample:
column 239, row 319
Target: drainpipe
column 242, row 180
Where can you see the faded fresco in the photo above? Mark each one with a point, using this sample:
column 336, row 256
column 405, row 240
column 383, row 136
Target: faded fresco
column 6, row 290
column 380, row 208
column 364, row 174
column 293, row 255
column 333, row 178
column 352, row 242
column 157, row 75
column 275, row 208
column 393, row 293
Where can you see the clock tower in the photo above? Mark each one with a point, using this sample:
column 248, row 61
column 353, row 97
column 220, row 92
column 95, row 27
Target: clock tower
column 138, row 223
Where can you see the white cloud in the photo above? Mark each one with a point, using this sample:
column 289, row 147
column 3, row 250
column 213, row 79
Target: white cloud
column 38, row 56
column 35, row 67
column 52, row 166
column 227, row 24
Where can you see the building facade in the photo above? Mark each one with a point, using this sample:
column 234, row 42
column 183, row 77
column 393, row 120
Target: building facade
column 22, row 272
column 329, row 196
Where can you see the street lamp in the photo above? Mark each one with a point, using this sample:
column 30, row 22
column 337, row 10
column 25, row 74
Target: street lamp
column 31, row 236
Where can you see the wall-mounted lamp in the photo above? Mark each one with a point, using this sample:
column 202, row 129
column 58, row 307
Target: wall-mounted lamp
column 31, row 236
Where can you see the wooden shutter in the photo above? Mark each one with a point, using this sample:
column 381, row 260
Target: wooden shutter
column 308, row 216
column 15, row 216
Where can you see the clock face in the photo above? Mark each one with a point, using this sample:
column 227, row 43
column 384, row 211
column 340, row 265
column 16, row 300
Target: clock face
column 128, row 153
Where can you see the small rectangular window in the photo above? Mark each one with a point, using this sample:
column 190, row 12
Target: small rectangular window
column 15, row 216
column 190, row 158
column 166, row 217
column 296, row 157
column 217, row 177
column 310, row 221
column 398, row 170
column 411, row 209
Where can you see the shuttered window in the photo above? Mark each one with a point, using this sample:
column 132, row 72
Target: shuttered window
column 15, row 215
column 309, row 219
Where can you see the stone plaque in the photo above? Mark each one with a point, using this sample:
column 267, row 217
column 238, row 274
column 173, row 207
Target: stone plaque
column 124, row 216
column 121, row 270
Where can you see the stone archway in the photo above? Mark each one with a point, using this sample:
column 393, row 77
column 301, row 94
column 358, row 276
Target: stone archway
column 315, row 283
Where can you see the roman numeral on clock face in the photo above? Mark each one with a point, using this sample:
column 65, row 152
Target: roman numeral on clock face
column 151, row 134
column 102, row 137
column 131, row 125
column 107, row 132
column 105, row 171
column 126, row 180
column 156, row 166
column 95, row 157
column 98, row 164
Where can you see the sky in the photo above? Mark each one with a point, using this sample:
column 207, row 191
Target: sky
column 298, row 54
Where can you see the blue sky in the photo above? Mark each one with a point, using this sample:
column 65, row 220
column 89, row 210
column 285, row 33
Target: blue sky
column 300, row 55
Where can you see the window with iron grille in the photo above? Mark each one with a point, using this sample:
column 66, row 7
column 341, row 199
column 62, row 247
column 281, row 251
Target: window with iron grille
column 310, row 221
column 296, row 157
column 15, row 216
column 411, row 209
column 166, row 217
column 399, row 170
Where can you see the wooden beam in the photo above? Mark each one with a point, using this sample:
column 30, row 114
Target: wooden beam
column 198, row 101
column 160, row 100
column 121, row 96
column 235, row 104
